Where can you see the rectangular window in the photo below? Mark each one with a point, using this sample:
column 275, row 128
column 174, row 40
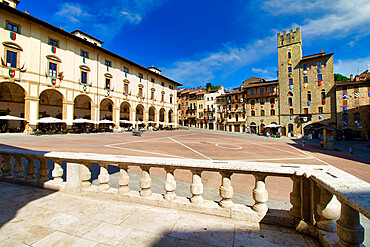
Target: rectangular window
column 12, row 27
column 253, row 113
column 304, row 66
column 345, row 117
column 262, row 90
column 344, row 102
column 305, row 79
column 107, row 83
column 272, row 101
column 141, row 76
column 152, row 95
column 83, row 77
column 320, row 110
column 290, row 69
column 290, row 81
column 53, row 42
column 125, row 88
column 171, row 87
column 125, row 69
column 252, row 91
column 11, row 59
column 272, row 89
column 319, row 77
column 305, row 111
column 291, row 111
column 108, row 63
column 319, row 64
column 140, row 92
column 357, row 116
column 262, row 101
column 52, row 69
column 84, row 54
column 152, row 80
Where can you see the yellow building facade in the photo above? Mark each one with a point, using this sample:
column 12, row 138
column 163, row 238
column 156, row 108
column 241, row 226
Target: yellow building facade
column 46, row 71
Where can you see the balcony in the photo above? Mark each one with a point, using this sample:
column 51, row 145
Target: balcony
column 79, row 210
column 261, row 95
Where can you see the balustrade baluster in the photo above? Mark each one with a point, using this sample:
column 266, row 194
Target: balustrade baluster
column 123, row 180
column 7, row 168
column 57, row 172
column 295, row 197
column 349, row 229
column 145, row 182
column 260, row 194
column 30, row 169
column 226, row 190
column 43, row 171
column 103, row 177
column 328, row 209
column 196, row 188
column 18, row 167
column 170, row 184
column 85, row 171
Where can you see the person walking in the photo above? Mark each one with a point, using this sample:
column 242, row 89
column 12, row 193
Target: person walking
column 303, row 143
column 350, row 152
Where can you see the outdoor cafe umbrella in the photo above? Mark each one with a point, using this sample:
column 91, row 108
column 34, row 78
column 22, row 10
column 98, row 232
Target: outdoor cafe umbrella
column 273, row 126
column 106, row 121
column 82, row 120
column 49, row 120
column 13, row 118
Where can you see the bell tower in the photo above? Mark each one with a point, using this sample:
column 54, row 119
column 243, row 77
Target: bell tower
column 11, row 3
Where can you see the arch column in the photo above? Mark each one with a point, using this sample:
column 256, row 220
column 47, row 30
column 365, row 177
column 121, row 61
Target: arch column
column 116, row 115
column 156, row 117
column 166, row 116
column 31, row 111
column 68, row 112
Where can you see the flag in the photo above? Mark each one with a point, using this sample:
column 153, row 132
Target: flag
column 2, row 62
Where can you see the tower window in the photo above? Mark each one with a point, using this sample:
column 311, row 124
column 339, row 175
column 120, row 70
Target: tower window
column 305, row 111
column 305, row 79
column 319, row 77
column 309, row 96
column 304, row 66
column 291, row 111
column 290, row 69
column 290, row 81
column 319, row 64
column 290, row 101
column 320, row 110
column 289, row 55
column 323, row 94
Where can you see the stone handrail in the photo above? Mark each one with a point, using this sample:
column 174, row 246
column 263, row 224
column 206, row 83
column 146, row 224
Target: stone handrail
column 326, row 201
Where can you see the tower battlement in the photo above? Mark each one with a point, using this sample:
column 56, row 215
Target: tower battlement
column 289, row 38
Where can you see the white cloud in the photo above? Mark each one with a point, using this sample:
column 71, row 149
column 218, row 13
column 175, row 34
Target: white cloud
column 351, row 66
column 267, row 73
column 351, row 44
column 72, row 12
column 227, row 60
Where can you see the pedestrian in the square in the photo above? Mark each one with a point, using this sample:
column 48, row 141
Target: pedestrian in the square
column 303, row 143
column 350, row 151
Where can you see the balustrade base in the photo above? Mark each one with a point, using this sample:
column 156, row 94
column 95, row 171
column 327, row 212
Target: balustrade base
column 328, row 239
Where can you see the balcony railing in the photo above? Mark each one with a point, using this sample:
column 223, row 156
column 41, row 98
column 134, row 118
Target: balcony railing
column 261, row 95
column 326, row 201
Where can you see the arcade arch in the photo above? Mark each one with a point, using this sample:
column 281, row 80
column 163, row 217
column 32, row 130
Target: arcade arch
column 125, row 111
column 140, row 112
column 51, row 104
column 11, row 103
column 152, row 114
column 82, row 107
column 106, row 109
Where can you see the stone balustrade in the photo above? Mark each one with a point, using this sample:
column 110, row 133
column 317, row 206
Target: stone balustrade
column 326, row 202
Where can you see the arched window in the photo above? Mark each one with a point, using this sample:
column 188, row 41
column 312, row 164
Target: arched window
column 262, row 112
column 290, row 94
column 289, row 55
column 272, row 112
column 290, row 101
column 309, row 96
column 323, row 94
column 253, row 113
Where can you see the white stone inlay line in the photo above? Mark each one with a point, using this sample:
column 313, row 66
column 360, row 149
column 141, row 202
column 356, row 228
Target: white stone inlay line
column 266, row 146
column 225, row 146
column 326, row 163
column 282, row 159
column 159, row 138
column 195, row 151
column 148, row 152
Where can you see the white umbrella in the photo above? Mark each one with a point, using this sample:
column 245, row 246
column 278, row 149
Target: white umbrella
column 273, row 126
column 49, row 120
column 82, row 120
column 127, row 121
column 106, row 121
column 8, row 117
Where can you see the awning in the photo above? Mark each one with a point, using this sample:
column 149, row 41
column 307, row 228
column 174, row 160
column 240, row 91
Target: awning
column 12, row 118
column 273, row 126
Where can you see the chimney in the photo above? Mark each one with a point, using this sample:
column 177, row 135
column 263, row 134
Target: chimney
column 322, row 52
column 351, row 76
column 27, row 12
column 357, row 78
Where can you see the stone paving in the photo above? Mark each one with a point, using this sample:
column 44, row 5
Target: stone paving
column 37, row 217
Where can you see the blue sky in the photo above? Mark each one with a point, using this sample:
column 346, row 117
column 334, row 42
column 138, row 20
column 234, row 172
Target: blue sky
column 218, row 41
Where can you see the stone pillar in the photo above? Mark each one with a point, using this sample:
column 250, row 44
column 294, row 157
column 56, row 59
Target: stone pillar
column 103, row 177
column 116, row 116
column 30, row 169
column 165, row 116
column 349, row 230
column 57, row 173
column 170, row 184
column 123, row 180
column 133, row 117
column 85, row 173
column 7, row 167
column 156, row 118
column 43, row 171
column 295, row 197
column 31, row 111
column 145, row 116
column 145, row 182
column 328, row 209
column 196, row 188
column 226, row 190
column 18, row 167
column 68, row 113
column 260, row 194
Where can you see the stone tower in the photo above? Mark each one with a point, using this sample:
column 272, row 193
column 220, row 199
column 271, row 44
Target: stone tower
column 289, row 57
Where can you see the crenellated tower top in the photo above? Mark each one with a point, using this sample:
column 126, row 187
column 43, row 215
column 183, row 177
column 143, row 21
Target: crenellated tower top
column 289, row 38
